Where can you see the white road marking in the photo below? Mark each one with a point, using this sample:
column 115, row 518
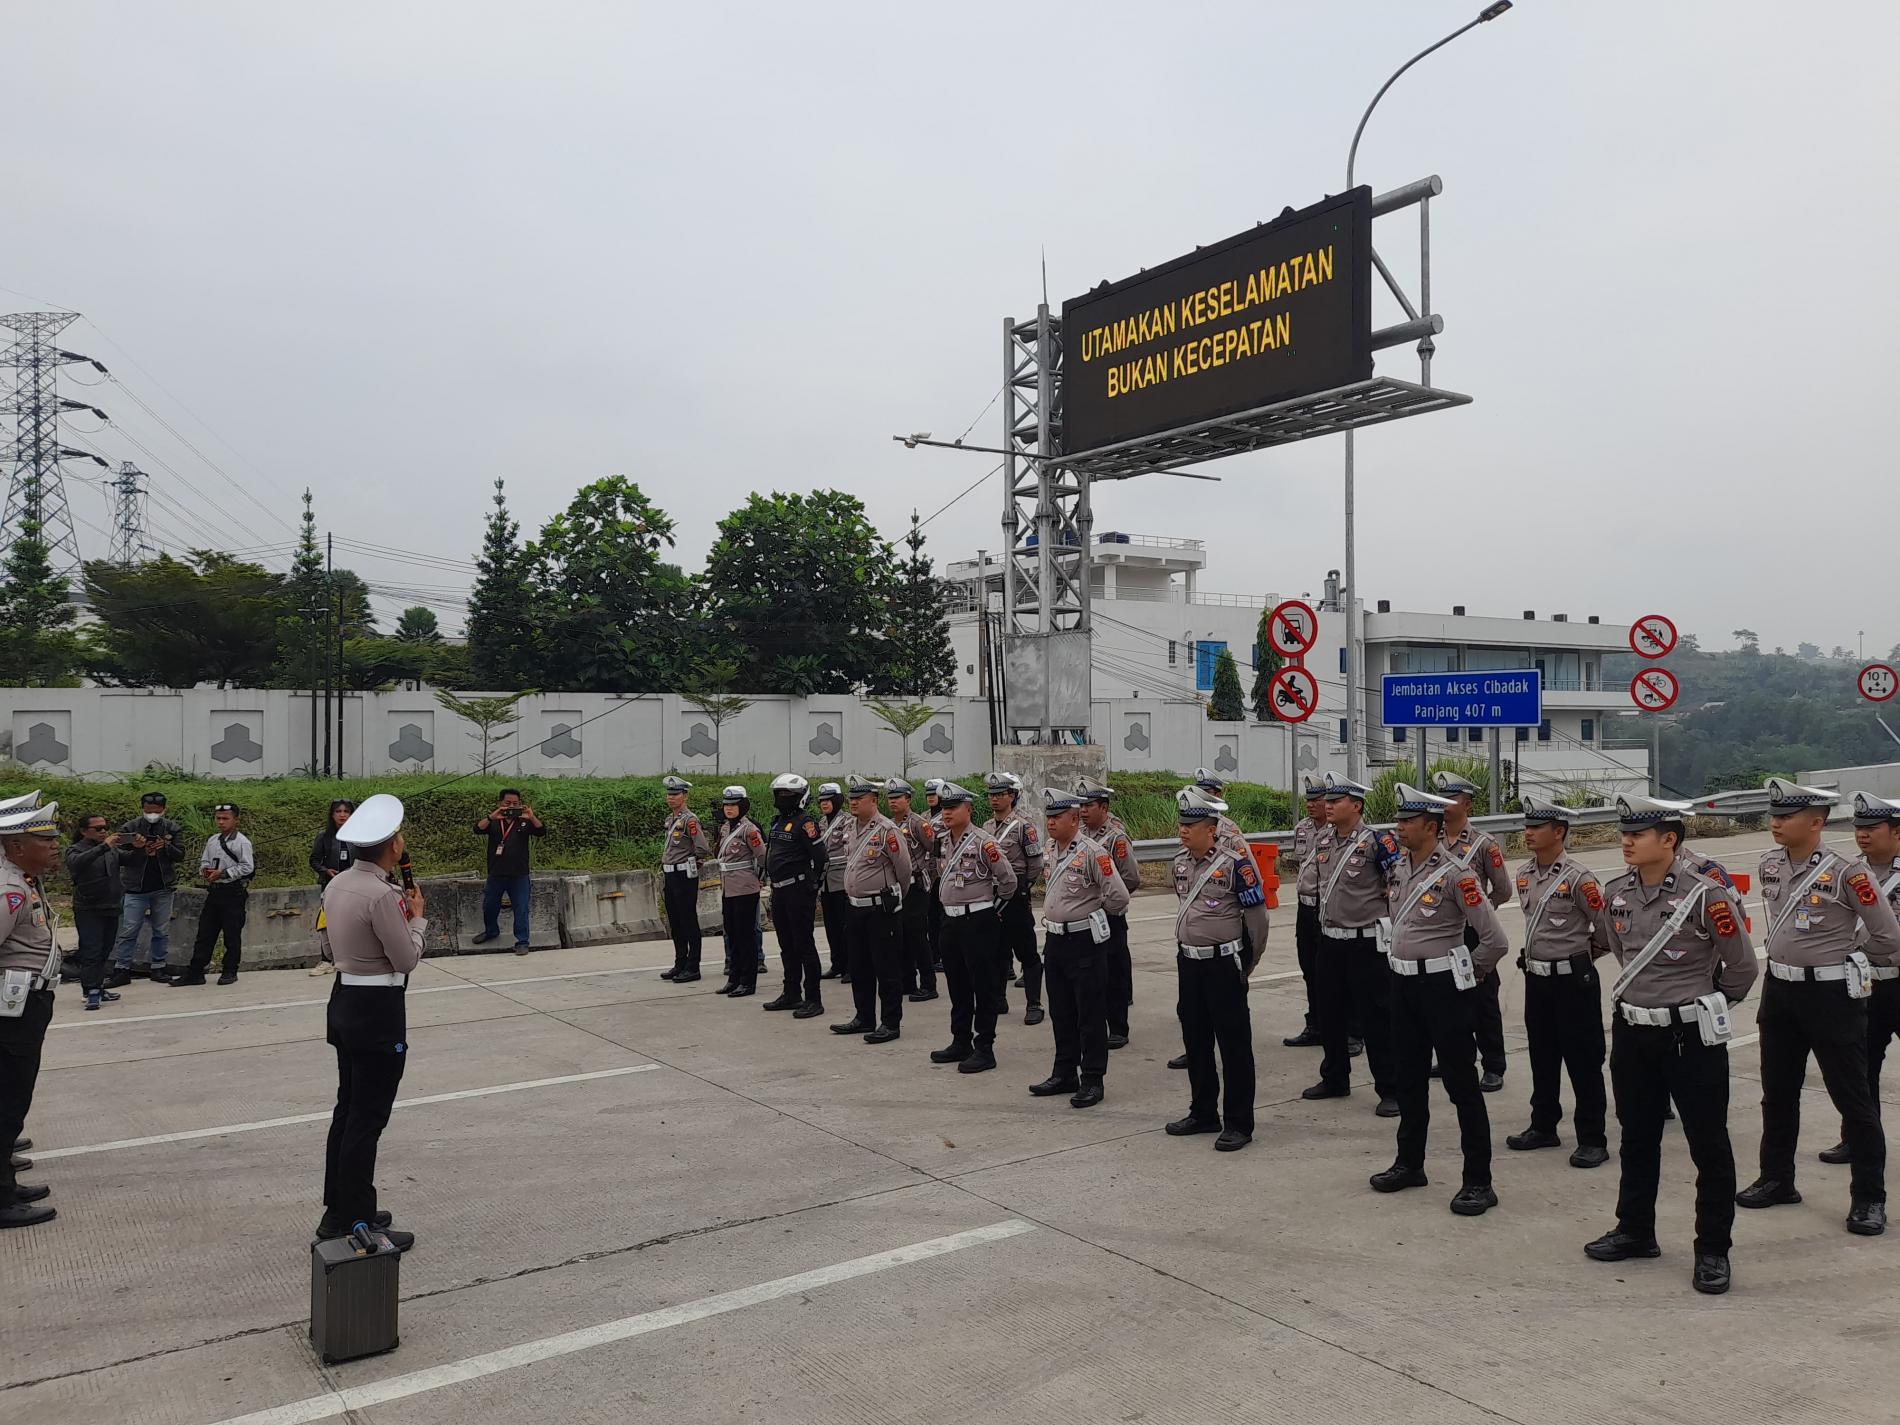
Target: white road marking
column 528, row 1353
column 113, row 1021
column 1740, row 1039
column 285, row 1122
column 1278, row 975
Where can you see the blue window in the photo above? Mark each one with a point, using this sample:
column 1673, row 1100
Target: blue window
column 1206, row 651
column 1589, row 729
column 1342, row 732
column 1342, row 658
column 1523, row 734
column 1398, row 734
column 1451, row 734
column 1543, row 730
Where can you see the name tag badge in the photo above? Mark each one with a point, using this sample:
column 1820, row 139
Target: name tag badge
column 1802, row 920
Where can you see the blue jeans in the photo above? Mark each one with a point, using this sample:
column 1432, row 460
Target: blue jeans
column 132, row 916
column 516, row 888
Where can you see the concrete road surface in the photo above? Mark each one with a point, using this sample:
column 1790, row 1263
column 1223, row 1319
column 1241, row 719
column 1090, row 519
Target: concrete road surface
column 642, row 1203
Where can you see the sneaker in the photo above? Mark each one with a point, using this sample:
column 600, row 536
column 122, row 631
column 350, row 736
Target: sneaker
column 92, row 1000
column 229, row 977
column 1473, row 1201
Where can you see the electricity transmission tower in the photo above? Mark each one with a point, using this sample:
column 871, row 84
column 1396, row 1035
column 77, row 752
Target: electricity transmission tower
column 36, row 489
column 130, row 543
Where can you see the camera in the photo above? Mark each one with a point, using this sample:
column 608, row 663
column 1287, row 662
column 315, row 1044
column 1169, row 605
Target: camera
column 511, row 812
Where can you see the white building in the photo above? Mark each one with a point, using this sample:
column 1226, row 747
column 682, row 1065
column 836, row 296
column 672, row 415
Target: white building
column 1157, row 634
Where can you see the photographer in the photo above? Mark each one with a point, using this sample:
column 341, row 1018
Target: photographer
column 227, row 866
column 92, row 864
column 508, row 828
column 150, row 848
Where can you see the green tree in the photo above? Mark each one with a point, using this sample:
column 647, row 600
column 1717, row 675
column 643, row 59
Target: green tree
column 918, row 661
column 418, row 625
column 615, row 616
column 494, row 720
column 38, row 647
column 904, row 719
column 801, row 576
column 1225, row 704
column 301, row 629
column 1749, row 639
column 1266, row 662
column 502, row 650
column 169, row 623
column 708, row 689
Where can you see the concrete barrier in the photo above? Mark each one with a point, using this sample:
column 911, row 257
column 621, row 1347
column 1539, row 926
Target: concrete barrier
column 603, row 909
column 280, row 926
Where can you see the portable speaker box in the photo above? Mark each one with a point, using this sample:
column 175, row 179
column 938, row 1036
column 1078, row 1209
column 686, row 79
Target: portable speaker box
column 352, row 1301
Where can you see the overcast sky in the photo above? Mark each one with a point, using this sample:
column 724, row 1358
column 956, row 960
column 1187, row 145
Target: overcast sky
column 395, row 250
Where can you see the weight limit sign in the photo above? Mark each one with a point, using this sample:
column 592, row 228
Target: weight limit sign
column 1294, row 694
column 1654, row 689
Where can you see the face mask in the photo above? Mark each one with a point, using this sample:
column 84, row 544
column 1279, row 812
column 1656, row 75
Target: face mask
column 154, row 816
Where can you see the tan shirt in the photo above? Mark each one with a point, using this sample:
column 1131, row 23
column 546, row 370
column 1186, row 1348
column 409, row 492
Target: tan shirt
column 367, row 922
column 1432, row 903
column 1227, row 833
column 835, row 829
column 1358, row 868
column 1711, row 951
column 1564, row 908
column 1307, row 834
column 27, row 924
column 1841, row 910
column 685, row 838
column 1214, row 915
column 1887, row 878
column 920, row 840
column 973, row 868
column 1113, row 838
column 1021, row 843
column 876, row 856
column 742, row 857
column 1081, row 881
column 1481, row 853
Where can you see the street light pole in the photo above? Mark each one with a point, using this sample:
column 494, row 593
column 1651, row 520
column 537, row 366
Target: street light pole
column 1355, row 701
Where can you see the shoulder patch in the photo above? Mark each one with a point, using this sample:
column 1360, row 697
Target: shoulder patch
column 1864, row 891
column 1497, row 859
column 1104, row 865
column 1121, row 848
column 754, row 837
column 811, row 830
column 692, row 826
column 1248, row 875
column 993, row 853
column 1389, row 842
column 891, row 842
column 1593, row 895
column 15, row 900
column 1029, row 834
column 1468, row 887
column 1722, row 919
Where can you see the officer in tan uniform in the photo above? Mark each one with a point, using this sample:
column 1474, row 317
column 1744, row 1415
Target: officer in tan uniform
column 29, row 973
column 742, row 860
column 1106, row 830
column 686, row 851
column 975, row 881
column 1563, row 1001
column 1222, row 910
column 877, row 870
column 1231, row 836
column 1354, row 866
column 1081, row 892
column 1306, row 837
column 1686, row 959
column 834, row 824
column 1483, row 857
column 933, row 817
column 1436, row 899
column 1017, row 835
column 1828, row 926
column 1877, row 834
column 920, row 975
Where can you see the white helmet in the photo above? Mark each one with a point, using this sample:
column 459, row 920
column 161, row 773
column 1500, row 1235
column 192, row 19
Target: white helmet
column 790, row 788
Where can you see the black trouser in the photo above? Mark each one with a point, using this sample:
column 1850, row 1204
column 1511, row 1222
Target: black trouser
column 935, row 909
column 1649, row 1066
column 877, row 963
column 1563, row 1016
column 367, row 1027
column 1118, row 976
column 1306, row 945
column 792, row 909
column 98, row 929
column 1816, row 1016
column 1430, row 1014
column 221, row 913
column 1019, row 938
column 920, row 971
column 1488, row 1026
column 1883, row 1023
column 1076, row 1004
column 1213, row 1008
column 20, row 1041
column 740, row 916
column 682, row 917
column 1354, row 986
column 837, row 941
column 973, row 972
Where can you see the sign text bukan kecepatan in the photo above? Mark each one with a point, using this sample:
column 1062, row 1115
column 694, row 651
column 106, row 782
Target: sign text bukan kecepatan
column 1277, row 312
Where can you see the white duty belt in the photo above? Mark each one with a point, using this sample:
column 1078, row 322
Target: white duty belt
column 1544, row 969
column 1656, row 1018
column 955, row 910
column 1066, row 927
column 1209, row 952
column 383, row 981
column 1798, row 973
column 1436, row 966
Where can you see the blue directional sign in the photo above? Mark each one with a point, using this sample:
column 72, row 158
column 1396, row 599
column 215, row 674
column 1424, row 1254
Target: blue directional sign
column 1503, row 697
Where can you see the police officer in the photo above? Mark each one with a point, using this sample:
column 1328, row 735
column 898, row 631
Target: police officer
column 933, row 814
column 877, row 870
column 1018, row 838
column 1828, row 925
column 375, row 931
column 1082, row 891
column 795, row 865
column 686, row 850
column 1106, row 830
column 29, row 973
column 1686, row 959
column 1353, row 867
column 742, row 858
column 1563, row 1004
column 1480, row 854
column 1307, row 833
column 920, row 975
column 833, row 823
column 1436, row 902
column 1877, row 834
column 975, row 881
column 1228, row 830
column 1223, row 909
